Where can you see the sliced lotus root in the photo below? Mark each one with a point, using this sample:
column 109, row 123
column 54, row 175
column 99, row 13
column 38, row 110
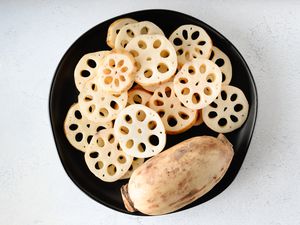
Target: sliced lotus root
column 175, row 116
column 115, row 28
column 132, row 30
column 140, row 131
column 87, row 68
column 223, row 62
column 228, row 112
column 199, row 119
column 117, row 72
column 99, row 105
column 198, row 83
column 138, row 96
column 136, row 162
column 152, row 88
column 79, row 130
column 190, row 42
column 105, row 158
column 155, row 57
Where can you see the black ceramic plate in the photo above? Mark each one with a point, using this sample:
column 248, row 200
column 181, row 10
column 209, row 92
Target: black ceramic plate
column 63, row 94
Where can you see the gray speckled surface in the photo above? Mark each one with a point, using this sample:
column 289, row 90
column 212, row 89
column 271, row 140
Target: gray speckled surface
column 34, row 187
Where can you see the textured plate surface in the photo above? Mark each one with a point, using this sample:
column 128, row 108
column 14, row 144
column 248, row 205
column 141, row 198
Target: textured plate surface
column 63, row 94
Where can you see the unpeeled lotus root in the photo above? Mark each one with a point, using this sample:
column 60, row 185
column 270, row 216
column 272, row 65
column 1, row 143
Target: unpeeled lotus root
column 191, row 169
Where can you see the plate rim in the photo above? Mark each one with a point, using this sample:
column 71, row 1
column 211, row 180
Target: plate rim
column 53, row 81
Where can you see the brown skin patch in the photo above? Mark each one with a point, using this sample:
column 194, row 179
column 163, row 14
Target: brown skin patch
column 181, row 152
column 153, row 206
column 151, row 200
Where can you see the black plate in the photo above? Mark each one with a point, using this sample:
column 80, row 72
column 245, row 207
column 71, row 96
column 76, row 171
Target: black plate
column 63, row 94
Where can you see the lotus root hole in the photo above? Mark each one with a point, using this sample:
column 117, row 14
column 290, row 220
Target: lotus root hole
column 77, row 114
column 121, row 159
column 207, row 91
column 202, row 68
column 196, row 98
column 201, row 43
column 164, row 53
column 233, row 97
column 187, row 55
column 128, row 119
column 85, row 73
column 162, row 68
column 223, row 95
column 94, row 155
column 130, row 33
column 142, row 44
column 233, row 118
column 120, row 63
column 79, row 137
column 177, row 41
column 148, row 73
column 144, row 30
column 107, row 71
column 124, row 69
column 114, row 105
column 112, row 63
column 223, row 77
column 191, row 70
column 210, row 77
column 111, row 169
column 222, row 122
column 137, row 99
column 99, row 165
column 140, row 115
column 141, row 147
column 156, row 44
column 124, row 43
column 134, row 53
column 185, row 34
column 159, row 94
column 122, row 78
column 183, row 115
column 88, row 98
column 183, row 80
column 111, row 138
column 238, row 107
column 100, row 142
column 220, row 62
column 73, row 127
column 124, row 130
column 185, row 91
column 108, row 80
column 89, row 138
column 158, row 102
column 154, row 140
column 117, row 82
column 137, row 65
column 100, row 128
column 212, row 114
column 152, row 125
column 103, row 112
column 94, row 87
column 139, row 131
column 195, row 35
column 179, row 52
column 172, row 122
column 129, row 143
column 161, row 114
column 92, row 108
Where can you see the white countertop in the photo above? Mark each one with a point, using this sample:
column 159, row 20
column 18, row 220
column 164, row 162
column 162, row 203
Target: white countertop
column 34, row 188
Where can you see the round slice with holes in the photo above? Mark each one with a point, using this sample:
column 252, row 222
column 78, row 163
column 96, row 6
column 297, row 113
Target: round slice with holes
column 198, row 83
column 99, row 105
column 155, row 57
column 136, row 162
column 79, row 130
column 228, row 112
column 140, row 131
column 117, row 72
column 190, row 42
column 87, row 68
column 138, row 96
column 199, row 119
column 132, row 30
column 105, row 158
column 115, row 28
column 175, row 116
column 223, row 62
